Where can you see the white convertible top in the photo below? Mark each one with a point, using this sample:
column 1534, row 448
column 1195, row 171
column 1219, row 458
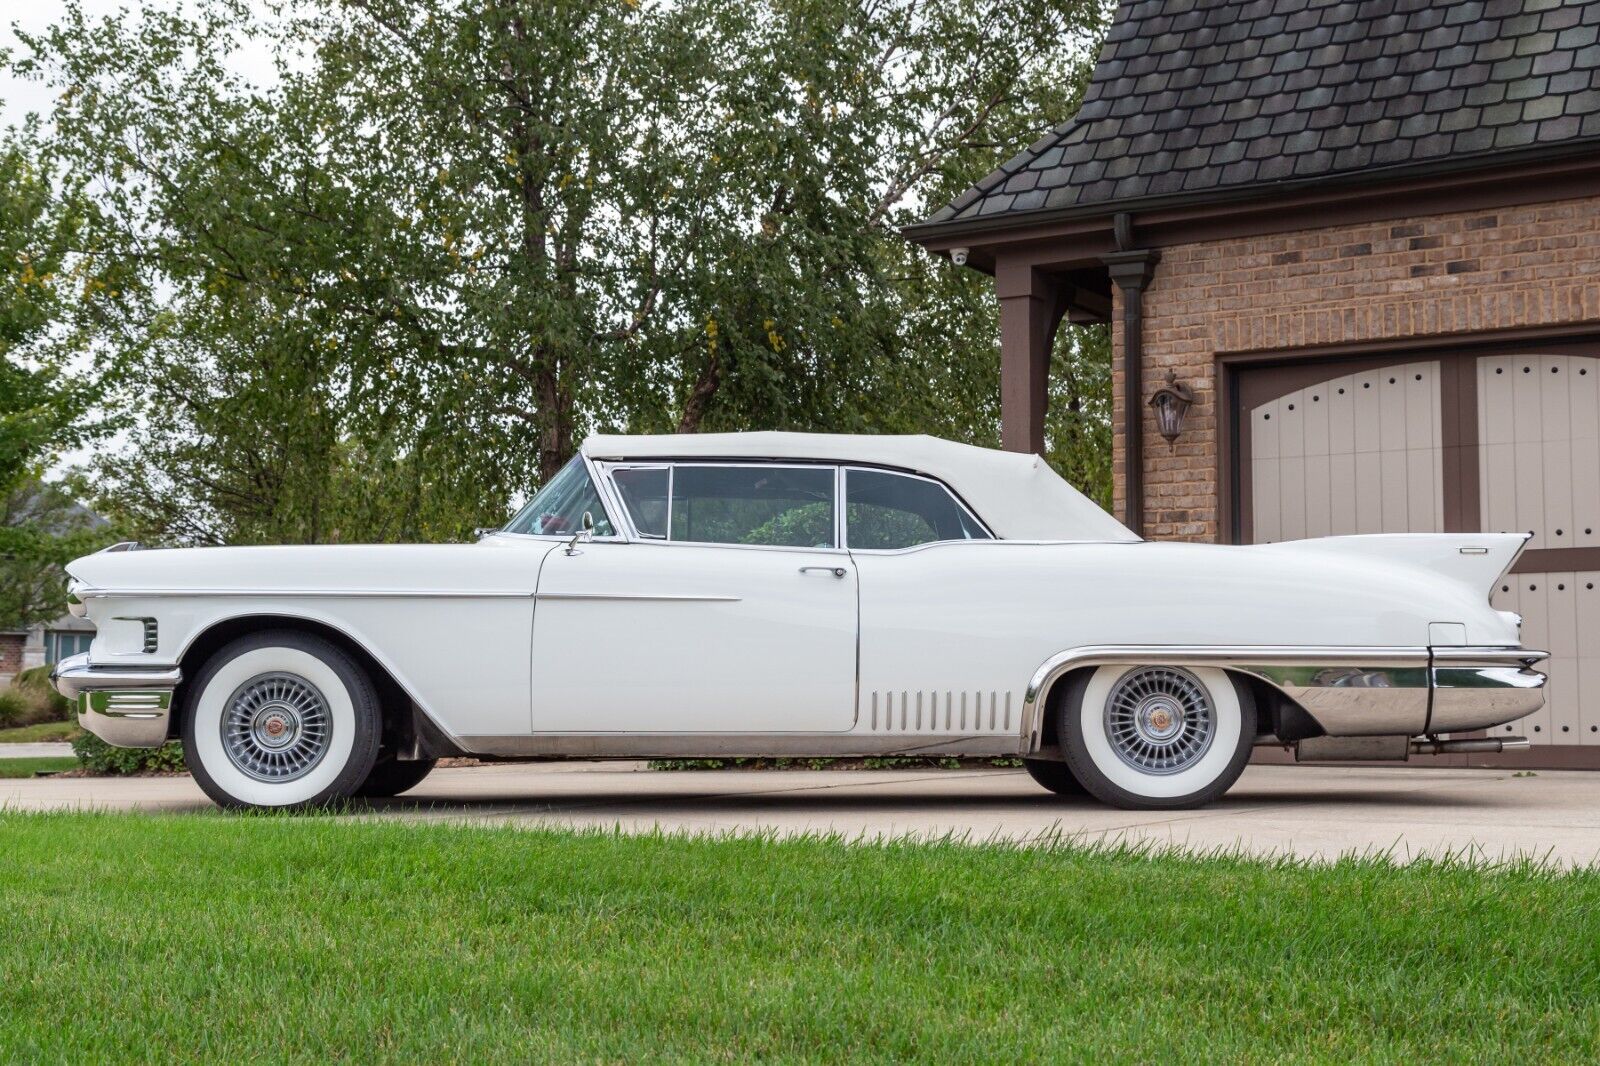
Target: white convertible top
column 1018, row 496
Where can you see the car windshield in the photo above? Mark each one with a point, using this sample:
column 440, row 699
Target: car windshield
column 558, row 508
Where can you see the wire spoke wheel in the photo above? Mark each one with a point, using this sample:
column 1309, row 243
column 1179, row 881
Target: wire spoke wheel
column 276, row 727
column 1160, row 719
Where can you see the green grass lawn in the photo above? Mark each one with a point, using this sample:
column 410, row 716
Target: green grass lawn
column 28, row 767
column 232, row 938
column 39, row 731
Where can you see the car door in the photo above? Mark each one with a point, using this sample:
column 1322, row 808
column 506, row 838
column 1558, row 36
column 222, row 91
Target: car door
column 938, row 648
column 729, row 608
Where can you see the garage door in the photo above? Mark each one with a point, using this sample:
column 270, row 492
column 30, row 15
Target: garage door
column 1463, row 442
column 1540, row 472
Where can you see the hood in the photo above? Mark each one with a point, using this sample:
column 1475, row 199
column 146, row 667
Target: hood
column 309, row 568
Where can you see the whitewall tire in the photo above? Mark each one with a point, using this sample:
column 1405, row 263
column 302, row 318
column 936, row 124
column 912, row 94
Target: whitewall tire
column 1156, row 737
column 281, row 719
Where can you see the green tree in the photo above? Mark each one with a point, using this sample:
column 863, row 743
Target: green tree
column 377, row 297
column 46, row 283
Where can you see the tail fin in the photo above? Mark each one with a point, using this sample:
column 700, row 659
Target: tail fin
column 1475, row 559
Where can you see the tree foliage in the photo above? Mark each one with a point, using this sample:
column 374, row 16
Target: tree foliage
column 396, row 286
column 46, row 285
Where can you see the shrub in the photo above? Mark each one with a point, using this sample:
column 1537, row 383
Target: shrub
column 13, row 706
column 96, row 756
column 46, row 704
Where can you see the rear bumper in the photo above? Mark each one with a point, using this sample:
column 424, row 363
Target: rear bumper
column 1475, row 688
column 129, row 707
column 1423, row 692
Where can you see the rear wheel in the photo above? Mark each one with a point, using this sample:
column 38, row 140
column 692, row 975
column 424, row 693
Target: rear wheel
column 1055, row 776
column 281, row 719
column 1156, row 737
column 391, row 777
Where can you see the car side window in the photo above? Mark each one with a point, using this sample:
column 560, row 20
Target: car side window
column 770, row 505
column 886, row 511
column 644, row 492
column 557, row 508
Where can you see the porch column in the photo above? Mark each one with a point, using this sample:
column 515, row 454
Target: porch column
column 1030, row 310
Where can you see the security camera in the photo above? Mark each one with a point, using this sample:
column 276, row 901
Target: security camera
column 958, row 256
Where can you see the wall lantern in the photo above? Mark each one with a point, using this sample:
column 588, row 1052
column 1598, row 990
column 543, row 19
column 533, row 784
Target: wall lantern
column 1171, row 402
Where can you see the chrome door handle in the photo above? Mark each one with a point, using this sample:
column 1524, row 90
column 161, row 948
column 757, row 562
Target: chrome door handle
column 836, row 571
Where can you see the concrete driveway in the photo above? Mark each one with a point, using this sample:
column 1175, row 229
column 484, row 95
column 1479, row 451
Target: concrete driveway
column 1307, row 811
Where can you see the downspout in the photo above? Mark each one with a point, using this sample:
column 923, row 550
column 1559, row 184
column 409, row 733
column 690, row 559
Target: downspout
column 1132, row 270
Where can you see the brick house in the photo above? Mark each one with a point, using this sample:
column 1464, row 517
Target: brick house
column 1367, row 237
column 38, row 645
column 25, row 647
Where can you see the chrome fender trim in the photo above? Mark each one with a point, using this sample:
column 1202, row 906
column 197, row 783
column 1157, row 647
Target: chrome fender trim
column 1350, row 691
column 1340, row 670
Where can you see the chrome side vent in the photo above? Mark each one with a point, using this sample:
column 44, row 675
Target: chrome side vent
column 947, row 711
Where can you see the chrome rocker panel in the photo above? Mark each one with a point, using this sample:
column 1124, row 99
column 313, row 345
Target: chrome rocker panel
column 126, row 706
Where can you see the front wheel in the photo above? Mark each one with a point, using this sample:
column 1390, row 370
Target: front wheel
column 1156, row 737
column 281, row 719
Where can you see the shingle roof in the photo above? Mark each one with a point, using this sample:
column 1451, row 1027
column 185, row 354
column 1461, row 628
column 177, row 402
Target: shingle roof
column 1206, row 97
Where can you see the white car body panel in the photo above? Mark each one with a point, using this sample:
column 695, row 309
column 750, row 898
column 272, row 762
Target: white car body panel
column 658, row 637
column 452, row 623
column 513, row 646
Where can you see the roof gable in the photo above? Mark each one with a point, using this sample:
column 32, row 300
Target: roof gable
column 1212, row 97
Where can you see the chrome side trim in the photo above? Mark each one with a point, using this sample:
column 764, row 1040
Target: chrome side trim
column 362, row 592
column 1258, row 660
column 738, row 745
column 1491, row 656
column 663, row 597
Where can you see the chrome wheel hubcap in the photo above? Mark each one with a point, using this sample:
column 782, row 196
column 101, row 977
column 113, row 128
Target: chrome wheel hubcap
column 276, row 727
column 1159, row 719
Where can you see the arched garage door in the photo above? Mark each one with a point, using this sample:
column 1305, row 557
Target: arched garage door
column 1453, row 442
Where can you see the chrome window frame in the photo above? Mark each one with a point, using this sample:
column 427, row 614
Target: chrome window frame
column 605, row 467
column 609, row 468
column 844, row 504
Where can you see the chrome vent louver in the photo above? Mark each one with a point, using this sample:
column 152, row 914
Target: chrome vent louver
column 939, row 711
column 152, row 633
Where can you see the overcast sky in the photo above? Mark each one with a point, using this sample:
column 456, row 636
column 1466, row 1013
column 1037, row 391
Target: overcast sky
column 18, row 97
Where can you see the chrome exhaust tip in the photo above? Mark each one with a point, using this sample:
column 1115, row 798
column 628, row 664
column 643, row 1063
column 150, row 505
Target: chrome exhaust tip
column 1474, row 745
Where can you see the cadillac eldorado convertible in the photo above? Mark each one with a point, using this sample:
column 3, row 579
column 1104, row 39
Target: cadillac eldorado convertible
column 779, row 594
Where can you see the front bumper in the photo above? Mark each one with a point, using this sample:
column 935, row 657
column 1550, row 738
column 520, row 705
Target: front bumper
column 127, row 706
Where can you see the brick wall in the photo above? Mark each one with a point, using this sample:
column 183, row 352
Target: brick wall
column 1461, row 273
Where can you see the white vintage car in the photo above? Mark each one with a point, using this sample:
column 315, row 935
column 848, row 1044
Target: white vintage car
column 780, row 594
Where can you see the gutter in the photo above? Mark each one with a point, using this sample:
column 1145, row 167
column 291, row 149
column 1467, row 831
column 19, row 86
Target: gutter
column 922, row 232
